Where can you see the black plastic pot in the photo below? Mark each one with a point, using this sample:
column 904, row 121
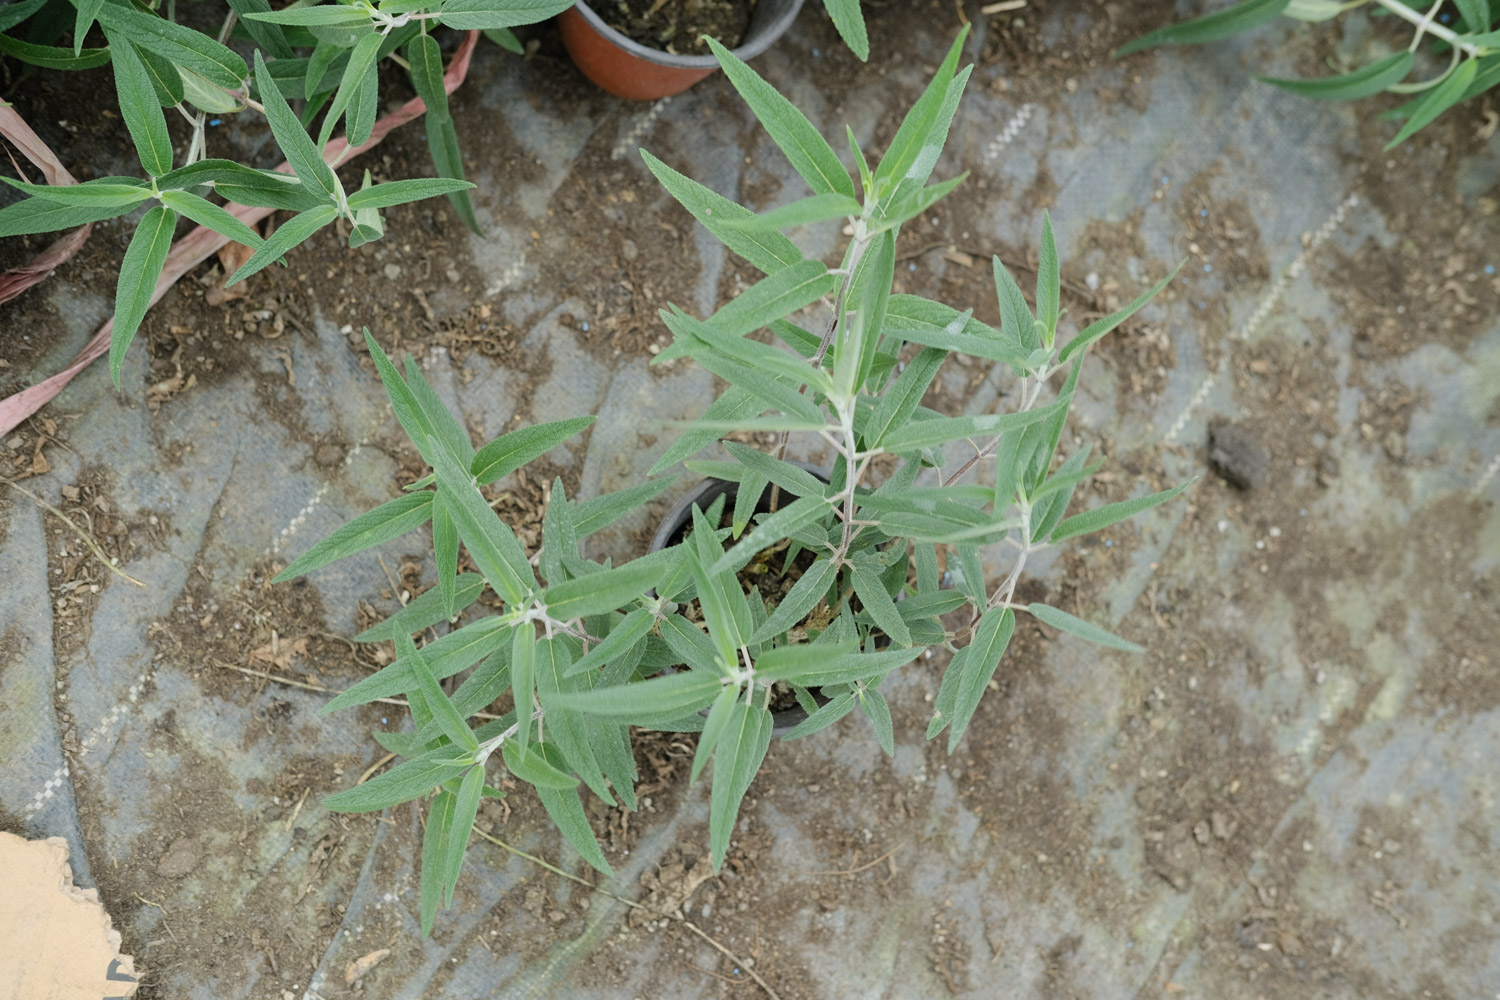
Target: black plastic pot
column 679, row 519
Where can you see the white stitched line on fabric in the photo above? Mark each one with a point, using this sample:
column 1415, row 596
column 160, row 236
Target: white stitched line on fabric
column 1008, row 134
column 638, row 130
column 1263, row 310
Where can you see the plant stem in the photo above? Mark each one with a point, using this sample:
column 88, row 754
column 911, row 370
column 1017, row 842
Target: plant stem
column 1425, row 24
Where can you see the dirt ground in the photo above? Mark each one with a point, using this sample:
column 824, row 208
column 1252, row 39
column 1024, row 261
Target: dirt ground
column 1286, row 797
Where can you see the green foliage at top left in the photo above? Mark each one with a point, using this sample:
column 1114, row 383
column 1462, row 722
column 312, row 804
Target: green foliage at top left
column 322, row 57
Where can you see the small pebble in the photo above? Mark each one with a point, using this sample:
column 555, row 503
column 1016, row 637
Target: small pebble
column 393, row 271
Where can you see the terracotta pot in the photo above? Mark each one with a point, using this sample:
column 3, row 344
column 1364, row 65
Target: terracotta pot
column 629, row 69
column 680, row 518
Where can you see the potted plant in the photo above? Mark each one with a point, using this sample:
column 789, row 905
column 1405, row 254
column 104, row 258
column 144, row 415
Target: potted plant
column 325, row 56
column 648, row 49
column 805, row 587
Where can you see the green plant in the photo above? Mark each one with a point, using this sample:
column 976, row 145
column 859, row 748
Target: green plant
column 159, row 63
column 587, row 649
column 1463, row 35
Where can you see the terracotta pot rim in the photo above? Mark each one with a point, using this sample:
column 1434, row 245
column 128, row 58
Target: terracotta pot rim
column 759, row 41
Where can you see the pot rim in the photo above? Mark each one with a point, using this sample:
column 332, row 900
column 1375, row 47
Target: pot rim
column 758, row 42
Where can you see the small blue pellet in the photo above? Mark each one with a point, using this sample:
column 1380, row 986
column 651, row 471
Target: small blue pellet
column 1489, row 269
column 585, row 328
column 1207, row 268
column 214, row 122
column 1203, row 212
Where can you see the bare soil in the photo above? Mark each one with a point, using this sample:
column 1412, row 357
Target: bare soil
column 678, row 26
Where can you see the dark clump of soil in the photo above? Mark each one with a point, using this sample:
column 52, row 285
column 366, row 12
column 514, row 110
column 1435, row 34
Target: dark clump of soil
column 678, row 26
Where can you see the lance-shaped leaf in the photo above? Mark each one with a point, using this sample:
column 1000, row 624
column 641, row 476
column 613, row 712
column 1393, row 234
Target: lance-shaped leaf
column 771, row 529
column 1074, row 625
column 210, row 216
column 440, row 423
column 608, row 590
column 289, row 234
column 769, row 390
column 824, row 663
column 766, row 249
column 694, row 336
column 390, row 520
column 1048, row 282
column 360, row 59
column 832, row 711
column 872, row 594
column 185, row 47
column 139, row 269
column 919, row 434
column 734, row 404
column 39, row 215
column 774, row 297
column 426, row 61
column 689, row 644
column 565, row 809
column 1103, row 517
column 490, row 14
column 1099, row 328
column 491, row 543
column 1211, row 27
column 140, row 108
column 969, row 673
column 522, row 683
column 660, row 699
column 509, row 452
column 428, row 608
column 808, row 152
column 1363, row 82
column 805, row 594
column 817, row 208
column 897, row 404
column 434, row 857
column 106, row 192
column 725, row 610
column 465, row 809
column 268, row 36
column 438, row 703
column 51, row 56
column 447, row 656
column 301, row 152
column 570, row 732
column 1437, row 100
column 592, row 515
column 736, row 760
column 878, row 711
column 408, row 780
column 621, row 638
column 914, row 150
column 714, row 728
column 933, row 324
column 850, row 22
column 400, row 192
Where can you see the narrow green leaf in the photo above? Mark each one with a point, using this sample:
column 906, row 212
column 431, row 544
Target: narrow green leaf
column 879, row 713
column 434, row 857
column 87, row 11
column 465, row 809
column 1048, row 282
column 1437, row 100
column 592, row 515
column 566, row 811
column 438, row 704
column 817, row 208
column 970, row 676
column 300, row 151
column 850, row 22
column 506, row 39
column 832, row 711
column 360, row 60
column 821, row 664
column 774, row 297
column 1363, row 82
column 797, row 481
column 693, row 335
column 713, row 729
column 771, row 529
column 522, row 683
column 291, row 233
column 14, row 13
column 606, row 591
column 390, row 520
column 933, row 324
column 734, row 404
column 39, row 215
column 914, row 150
column 450, row 654
column 139, row 269
column 166, row 82
column 490, row 541
column 872, row 594
column 898, row 402
column 808, row 152
column 52, row 57
column 1084, row 630
column 185, row 47
column 323, row 14
column 770, row 251
column 1103, row 517
column 467, row 15
column 428, row 608
column 919, row 434
column 406, row 781
column 805, row 594
column 1099, row 328
column 360, row 120
column 659, row 699
column 509, row 452
column 569, row 733
column 205, row 213
column 736, row 760
column 268, row 36
column 106, row 192
column 620, row 639
column 1211, row 27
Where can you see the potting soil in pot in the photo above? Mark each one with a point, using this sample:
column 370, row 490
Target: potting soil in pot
column 678, row 26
